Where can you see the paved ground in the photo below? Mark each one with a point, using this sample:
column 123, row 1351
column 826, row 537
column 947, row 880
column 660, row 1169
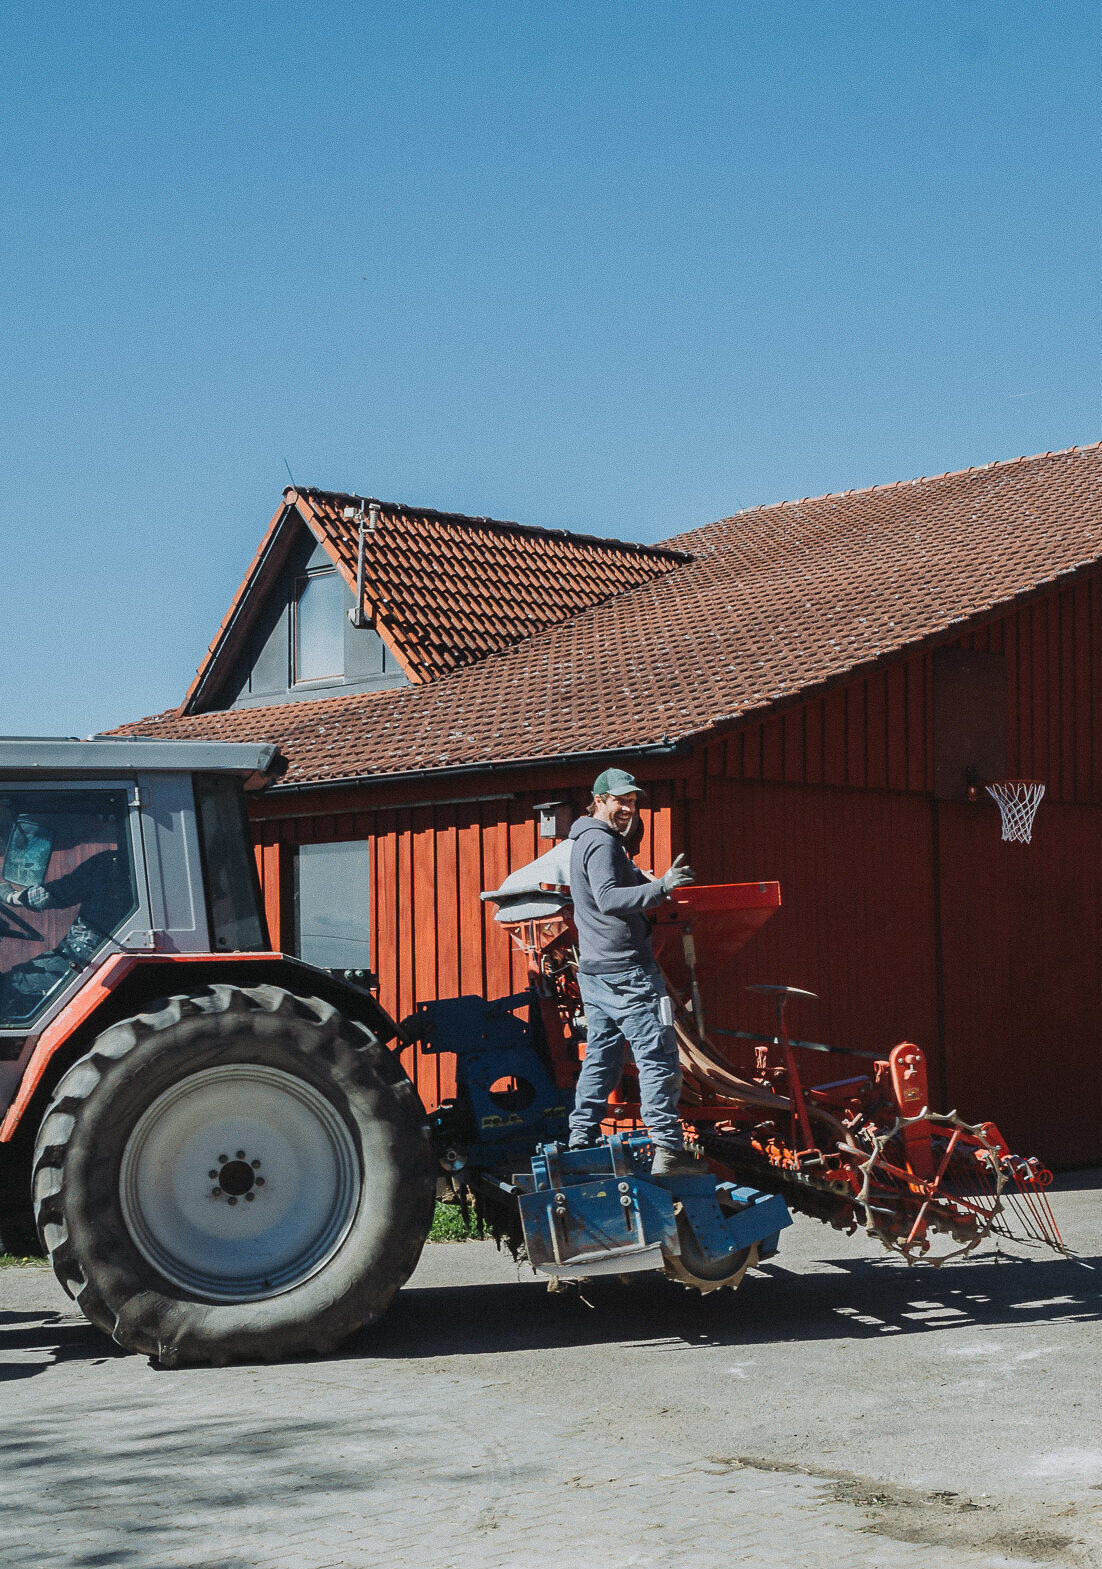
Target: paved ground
column 837, row 1410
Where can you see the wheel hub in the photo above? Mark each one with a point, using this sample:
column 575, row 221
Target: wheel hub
column 237, row 1178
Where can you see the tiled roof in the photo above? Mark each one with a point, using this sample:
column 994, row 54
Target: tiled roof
column 776, row 600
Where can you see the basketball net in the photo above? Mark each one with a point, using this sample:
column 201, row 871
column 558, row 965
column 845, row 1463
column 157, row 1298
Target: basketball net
column 1017, row 800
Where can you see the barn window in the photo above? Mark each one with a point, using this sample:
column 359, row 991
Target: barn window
column 332, row 904
column 319, row 627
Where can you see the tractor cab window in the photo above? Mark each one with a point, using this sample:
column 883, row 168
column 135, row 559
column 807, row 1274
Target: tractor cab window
column 66, row 887
column 229, row 870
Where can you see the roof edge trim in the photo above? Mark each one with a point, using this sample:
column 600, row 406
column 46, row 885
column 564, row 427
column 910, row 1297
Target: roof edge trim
column 678, row 748
column 237, row 610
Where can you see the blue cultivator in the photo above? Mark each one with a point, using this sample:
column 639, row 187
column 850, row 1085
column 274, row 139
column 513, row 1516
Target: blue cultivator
column 600, row 1212
column 576, row 1213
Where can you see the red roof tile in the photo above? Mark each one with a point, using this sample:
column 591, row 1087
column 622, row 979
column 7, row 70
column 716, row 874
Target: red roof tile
column 776, row 600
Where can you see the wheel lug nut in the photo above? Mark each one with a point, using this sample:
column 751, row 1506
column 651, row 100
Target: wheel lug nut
column 212, row 1174
column 222, row 1159
column 216, row 1193
column 260, row 1182
column 240, row 1155
column 232, row 1202
column 249, row 1197
column 254, row 1164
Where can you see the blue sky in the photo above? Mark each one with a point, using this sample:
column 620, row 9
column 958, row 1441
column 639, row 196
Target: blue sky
column 619, row 267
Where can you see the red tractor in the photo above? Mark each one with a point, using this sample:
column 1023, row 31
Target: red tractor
column 220, row 1154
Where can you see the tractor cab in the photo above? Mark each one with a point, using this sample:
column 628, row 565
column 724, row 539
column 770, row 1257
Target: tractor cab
column 111, row 847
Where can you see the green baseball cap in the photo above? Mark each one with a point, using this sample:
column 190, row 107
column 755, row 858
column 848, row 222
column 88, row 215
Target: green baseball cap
column 616, row 781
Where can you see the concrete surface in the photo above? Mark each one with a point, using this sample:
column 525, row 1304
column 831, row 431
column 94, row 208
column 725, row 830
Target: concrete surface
column 838, row 1409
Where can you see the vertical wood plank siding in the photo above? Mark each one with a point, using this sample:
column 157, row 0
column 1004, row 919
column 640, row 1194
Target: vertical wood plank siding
column 876, row 733
column 857, row 890
column 909, row 917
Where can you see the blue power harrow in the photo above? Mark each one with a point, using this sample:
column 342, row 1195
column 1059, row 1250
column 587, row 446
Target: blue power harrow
column 576, row 1213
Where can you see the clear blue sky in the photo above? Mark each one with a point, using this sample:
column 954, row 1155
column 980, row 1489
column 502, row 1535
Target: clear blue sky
column 613, row 265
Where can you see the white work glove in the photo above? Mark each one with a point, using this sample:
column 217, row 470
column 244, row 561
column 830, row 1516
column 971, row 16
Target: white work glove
column 677, row 876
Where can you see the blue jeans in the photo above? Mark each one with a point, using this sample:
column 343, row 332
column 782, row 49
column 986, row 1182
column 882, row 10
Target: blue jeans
column 628, row 1006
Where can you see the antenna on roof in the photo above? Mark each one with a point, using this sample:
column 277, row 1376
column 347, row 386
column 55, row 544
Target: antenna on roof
column 290, row 476
column 366, row 526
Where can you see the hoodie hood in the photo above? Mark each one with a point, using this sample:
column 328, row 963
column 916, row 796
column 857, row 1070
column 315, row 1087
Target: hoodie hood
column 587, row 825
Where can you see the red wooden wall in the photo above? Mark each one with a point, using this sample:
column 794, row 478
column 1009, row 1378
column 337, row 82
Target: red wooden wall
column 877, row 732
column 907, row 915
column 910, row 915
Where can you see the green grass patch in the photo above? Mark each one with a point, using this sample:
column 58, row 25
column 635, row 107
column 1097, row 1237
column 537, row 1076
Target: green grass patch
column 448, row 1225
column 16, row 1261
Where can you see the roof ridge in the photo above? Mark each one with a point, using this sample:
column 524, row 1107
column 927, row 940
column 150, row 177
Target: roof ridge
column 538, row 529
column 894, row 484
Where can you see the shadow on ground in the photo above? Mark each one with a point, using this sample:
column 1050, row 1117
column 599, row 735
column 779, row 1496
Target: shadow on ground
column 845, row 1300
column 49, row 1339
column 852, row 1299
column 157, row 1487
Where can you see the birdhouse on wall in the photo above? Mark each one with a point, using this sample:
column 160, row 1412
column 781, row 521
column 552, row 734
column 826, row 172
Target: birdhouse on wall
column 553, row 818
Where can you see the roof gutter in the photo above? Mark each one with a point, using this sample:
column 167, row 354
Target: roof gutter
column 415, row 775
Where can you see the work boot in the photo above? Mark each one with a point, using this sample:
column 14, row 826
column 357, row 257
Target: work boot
column 581, row 1141
column 675, row 1163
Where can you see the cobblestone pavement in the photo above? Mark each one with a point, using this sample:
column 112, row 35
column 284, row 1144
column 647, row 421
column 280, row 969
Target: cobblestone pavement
column 837, row 1410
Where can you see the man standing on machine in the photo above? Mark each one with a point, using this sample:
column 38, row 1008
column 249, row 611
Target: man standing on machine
column 621, row 986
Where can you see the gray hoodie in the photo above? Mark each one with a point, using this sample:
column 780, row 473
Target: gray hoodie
column 610, row 895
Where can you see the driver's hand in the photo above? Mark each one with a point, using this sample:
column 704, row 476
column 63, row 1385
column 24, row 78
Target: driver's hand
column 36, row 898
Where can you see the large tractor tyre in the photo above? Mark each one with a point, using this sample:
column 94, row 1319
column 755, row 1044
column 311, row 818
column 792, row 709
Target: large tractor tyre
column 241, row 1174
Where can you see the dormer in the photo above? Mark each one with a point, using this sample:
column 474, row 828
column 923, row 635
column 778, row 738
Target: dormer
column 350, row 595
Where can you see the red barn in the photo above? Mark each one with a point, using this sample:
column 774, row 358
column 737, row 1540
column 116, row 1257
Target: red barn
column 811, row 691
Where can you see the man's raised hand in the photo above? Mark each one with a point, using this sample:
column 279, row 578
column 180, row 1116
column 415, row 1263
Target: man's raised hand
column 677, row 876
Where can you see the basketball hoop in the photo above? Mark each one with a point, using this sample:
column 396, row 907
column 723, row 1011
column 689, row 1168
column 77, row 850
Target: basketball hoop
column 1017, row 800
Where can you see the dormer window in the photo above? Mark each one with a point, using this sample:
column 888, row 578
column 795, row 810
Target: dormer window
column 318, row 644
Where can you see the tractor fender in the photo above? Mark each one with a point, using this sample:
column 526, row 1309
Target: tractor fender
column 126, row 983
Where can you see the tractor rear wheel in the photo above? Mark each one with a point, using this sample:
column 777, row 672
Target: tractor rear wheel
column 240, row 1174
